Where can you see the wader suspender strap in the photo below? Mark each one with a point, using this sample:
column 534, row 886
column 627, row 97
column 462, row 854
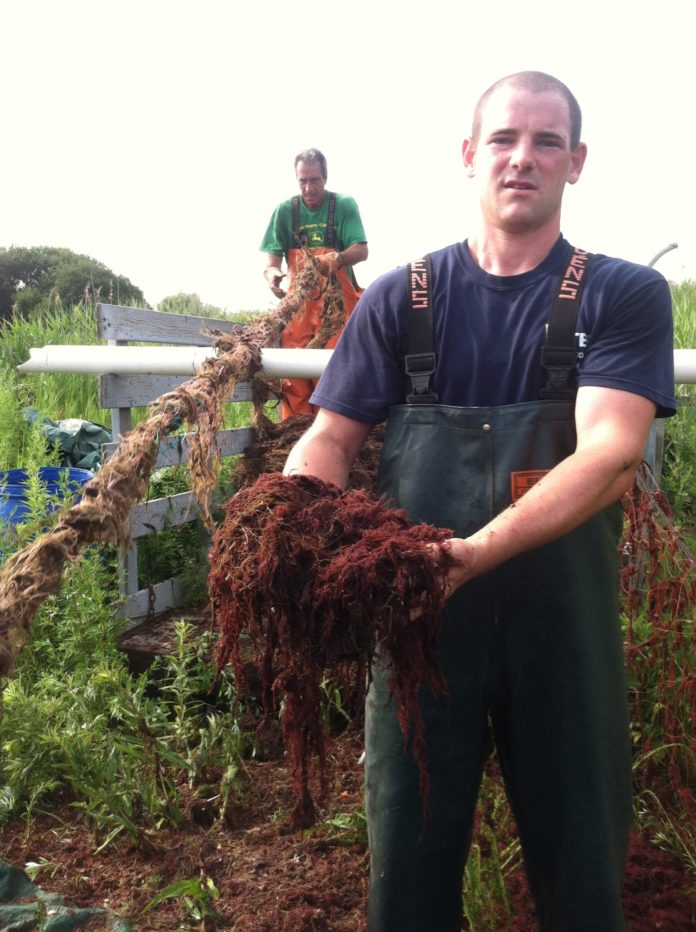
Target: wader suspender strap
column 420, row 359
column 330, row 227
column 558, row 354
column 300, row 239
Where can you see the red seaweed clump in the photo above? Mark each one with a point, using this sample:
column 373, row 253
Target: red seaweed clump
column 310, row 578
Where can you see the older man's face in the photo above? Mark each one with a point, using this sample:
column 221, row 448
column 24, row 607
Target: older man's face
column 312, row 184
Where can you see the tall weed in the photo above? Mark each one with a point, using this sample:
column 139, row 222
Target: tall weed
column 679, row 468
column 78, row 727
column 56, row 395
column 495, row 855
column 22, row 444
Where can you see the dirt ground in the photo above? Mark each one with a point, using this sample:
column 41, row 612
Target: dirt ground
column 273, row 880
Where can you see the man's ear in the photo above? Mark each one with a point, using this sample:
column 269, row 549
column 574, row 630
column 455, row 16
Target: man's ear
column 577, row 160
column 468, row 153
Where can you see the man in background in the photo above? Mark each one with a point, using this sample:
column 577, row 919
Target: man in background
column 329, row 226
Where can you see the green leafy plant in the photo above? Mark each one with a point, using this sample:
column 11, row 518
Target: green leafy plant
column 197, row 893
column 34, row 868
column 346, row 828
column 668, row 831
column 495, row 854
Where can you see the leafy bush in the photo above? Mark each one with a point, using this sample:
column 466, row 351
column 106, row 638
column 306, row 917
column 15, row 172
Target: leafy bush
column 191, row 304
column 30, row 276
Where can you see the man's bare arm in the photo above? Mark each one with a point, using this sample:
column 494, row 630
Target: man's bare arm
column 354, row 254
column 328, row 448
column 330, row 262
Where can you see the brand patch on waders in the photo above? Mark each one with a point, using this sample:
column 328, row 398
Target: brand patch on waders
column 521, row 482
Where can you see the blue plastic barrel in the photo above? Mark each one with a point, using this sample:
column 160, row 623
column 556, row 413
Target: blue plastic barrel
column 58, row 480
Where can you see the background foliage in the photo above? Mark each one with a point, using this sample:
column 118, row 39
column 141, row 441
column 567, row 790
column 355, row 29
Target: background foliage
column 30, row 276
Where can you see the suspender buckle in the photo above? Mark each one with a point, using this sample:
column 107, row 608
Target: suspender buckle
column 560, row 363
column 419, row 367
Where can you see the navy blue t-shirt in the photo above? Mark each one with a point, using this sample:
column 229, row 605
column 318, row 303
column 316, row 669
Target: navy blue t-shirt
column 489, row 330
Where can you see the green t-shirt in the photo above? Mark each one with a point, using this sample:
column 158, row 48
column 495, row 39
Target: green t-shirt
column 278, row 238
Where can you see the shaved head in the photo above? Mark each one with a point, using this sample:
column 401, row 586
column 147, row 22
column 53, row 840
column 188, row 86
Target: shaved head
column 537, row 82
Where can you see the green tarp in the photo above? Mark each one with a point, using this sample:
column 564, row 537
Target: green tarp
column 24, row 907
column 79, row 442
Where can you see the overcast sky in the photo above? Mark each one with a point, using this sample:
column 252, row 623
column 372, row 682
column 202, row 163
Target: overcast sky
column 157, row 137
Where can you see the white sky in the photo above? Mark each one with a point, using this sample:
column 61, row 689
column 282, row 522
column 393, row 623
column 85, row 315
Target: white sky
column 157, row 136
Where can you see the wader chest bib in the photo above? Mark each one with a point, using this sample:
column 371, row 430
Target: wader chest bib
column 304, row 326
column 531, row 650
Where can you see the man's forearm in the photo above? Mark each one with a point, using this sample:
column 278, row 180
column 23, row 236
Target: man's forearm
column 575, row 490
column 328, row 448
column 354, row 254
column 318, row 458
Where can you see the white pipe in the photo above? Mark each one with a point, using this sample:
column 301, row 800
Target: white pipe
column 165, row 360
column 187, row 360
column 685, row 366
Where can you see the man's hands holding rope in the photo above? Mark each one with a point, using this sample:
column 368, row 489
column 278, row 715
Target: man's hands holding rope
column 328, row 263
column 274, row 277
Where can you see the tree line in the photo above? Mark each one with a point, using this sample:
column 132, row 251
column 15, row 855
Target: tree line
column 35, row 275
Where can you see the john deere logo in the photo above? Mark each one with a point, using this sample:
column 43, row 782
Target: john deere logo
column 316, row 239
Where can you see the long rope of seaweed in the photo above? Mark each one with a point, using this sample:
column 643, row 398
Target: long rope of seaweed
column 32, row 574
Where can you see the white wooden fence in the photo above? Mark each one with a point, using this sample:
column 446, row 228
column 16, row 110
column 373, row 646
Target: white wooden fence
column 121, row 393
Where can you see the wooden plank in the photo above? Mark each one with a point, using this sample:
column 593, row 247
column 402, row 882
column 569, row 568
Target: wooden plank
column 121, row 421
column 153, row 600
column 173, row 450
column 138, row 325
column 127, row 569
column 134, row 391
column 160, row 513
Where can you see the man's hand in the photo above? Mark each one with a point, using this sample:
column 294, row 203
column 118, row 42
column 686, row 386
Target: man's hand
column 274, row 277
column 329, row 262
column 462, row 570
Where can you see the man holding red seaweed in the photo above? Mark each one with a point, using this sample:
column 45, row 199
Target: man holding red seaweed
column 519, row 378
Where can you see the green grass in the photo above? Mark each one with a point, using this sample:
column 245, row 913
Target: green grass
column 57, row 395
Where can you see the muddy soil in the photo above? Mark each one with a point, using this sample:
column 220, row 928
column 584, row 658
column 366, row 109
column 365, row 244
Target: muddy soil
column 274, row 880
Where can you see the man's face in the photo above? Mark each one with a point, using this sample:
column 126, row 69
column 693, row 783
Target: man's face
column 312, row 184
column 522, row 159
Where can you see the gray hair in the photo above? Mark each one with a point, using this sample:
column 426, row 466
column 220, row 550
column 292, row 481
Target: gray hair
column 313, row 155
